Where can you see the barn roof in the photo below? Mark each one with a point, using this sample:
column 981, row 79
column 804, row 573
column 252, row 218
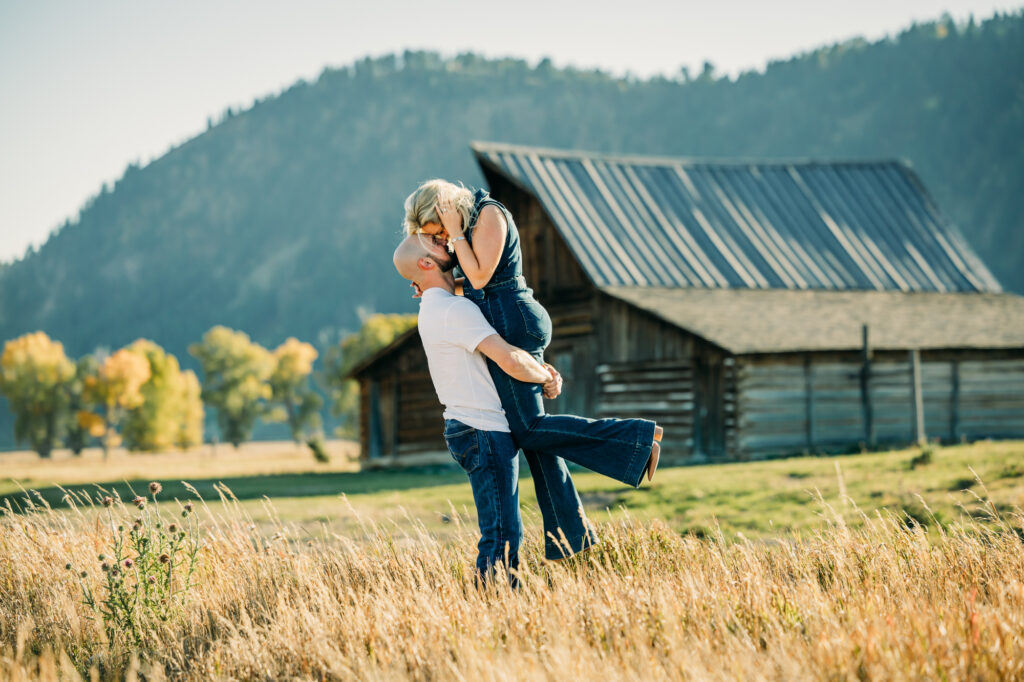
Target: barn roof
column 775, row 321
column 670, row 222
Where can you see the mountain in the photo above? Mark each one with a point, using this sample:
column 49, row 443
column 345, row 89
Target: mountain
column 280, row 220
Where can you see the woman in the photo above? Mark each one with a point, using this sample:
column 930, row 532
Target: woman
column 483, row 236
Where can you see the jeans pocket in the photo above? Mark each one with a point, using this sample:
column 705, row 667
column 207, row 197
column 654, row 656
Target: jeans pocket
column 535, row 319
column 465, row 448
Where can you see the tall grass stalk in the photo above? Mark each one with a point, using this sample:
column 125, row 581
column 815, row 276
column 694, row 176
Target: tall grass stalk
column 883, row 599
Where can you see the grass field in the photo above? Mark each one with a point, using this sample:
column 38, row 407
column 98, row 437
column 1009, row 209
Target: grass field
column 757, row 499
column 881, row 566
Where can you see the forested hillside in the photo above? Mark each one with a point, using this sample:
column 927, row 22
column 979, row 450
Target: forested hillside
column 280, row 220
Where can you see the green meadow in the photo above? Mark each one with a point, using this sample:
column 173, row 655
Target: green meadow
column 278, row 483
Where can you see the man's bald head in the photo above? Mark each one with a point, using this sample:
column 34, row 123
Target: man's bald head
column 408, row 254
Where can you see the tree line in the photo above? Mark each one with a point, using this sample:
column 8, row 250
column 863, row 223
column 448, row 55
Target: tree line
column 139, row 397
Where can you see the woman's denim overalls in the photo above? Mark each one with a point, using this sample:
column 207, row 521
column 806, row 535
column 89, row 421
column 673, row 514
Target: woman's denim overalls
column 618, row 448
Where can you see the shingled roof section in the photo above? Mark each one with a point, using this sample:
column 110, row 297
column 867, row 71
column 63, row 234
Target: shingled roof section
column 639, row 221
column 777, row 321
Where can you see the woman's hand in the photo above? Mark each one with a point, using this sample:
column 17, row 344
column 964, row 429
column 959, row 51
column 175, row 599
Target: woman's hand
column 552, row 387
column 416, row 291
column 451, row 218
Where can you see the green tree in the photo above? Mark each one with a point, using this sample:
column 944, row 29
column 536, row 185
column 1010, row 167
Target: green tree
column 377, row 331
column 236, row 373
column 34, row 377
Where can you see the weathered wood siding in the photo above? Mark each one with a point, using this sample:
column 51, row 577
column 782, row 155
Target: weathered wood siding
column 659, row 390
column 790, row 404
column 399, row 410
column 648, row 368
column 991, row 397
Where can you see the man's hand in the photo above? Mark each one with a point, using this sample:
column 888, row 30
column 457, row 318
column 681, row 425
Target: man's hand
column 552, row 387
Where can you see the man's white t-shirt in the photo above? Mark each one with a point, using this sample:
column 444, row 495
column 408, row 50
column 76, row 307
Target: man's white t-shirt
column 451, row 328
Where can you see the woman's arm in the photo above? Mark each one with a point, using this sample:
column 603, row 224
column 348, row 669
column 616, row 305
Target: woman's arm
column 480, row 260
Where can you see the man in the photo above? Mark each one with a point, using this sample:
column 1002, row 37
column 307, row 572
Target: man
column 456, row 339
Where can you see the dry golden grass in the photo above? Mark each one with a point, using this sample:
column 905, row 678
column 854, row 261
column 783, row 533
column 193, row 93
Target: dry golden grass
column 880, row 601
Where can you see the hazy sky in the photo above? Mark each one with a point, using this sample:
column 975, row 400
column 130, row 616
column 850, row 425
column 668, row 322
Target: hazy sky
column 87, row 87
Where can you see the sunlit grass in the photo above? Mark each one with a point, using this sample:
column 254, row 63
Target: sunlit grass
column 880, row 600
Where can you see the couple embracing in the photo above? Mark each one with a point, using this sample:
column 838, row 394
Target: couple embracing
column 484, row 335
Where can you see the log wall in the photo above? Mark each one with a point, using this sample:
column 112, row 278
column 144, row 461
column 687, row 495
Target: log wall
column 816, row 403
column 399, row 411
column 659, row 390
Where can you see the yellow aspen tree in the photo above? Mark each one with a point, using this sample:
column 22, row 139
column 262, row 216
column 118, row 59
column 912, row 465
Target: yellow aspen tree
column 190, row 419
column 116, row 388
column 34, row 374
column 289, row 384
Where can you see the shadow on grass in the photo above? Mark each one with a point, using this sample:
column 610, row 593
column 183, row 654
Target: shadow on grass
column 255, row 487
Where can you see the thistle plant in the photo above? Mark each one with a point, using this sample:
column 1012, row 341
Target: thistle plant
column 148, row 571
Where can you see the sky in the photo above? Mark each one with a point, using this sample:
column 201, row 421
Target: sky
column 89, row 87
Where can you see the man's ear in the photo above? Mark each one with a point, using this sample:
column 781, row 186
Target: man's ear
column 426, row 263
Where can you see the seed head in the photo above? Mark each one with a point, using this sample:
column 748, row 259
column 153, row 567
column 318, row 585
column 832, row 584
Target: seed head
column 67, row 566
column 105, row 567
column 173, row 528
column 164, row 558
column 128, row 563
column 108, row 501
column 115, row 571
column 101, row 557
column 155, row 488
column 151, row 580
column 188, row 506
column 120, row 528
column 83, row 574
column 136, row 526
column 139, row 501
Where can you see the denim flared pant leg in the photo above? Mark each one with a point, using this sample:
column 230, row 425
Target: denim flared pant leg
column 491, row 460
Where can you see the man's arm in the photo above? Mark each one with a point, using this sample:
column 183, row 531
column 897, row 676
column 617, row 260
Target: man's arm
column 515, row 362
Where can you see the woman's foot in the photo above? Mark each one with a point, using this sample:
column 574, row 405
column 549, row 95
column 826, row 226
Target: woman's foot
column 658, row 432
column 652, row 463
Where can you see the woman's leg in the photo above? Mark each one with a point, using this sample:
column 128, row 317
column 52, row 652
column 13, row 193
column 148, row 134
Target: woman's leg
column 566, row 528
column 617, row 448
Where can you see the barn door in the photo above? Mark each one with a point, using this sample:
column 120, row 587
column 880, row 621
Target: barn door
column 708, row 409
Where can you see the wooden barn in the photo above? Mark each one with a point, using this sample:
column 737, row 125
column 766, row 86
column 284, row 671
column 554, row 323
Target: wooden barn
column 753, row 308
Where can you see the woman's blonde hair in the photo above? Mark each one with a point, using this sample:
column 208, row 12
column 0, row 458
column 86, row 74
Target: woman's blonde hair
column 421, row 205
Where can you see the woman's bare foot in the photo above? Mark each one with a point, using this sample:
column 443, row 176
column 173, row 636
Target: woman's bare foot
column 652, row 463
column 658, row 432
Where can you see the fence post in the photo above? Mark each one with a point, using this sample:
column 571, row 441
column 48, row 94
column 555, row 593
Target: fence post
column 809, row 401
column 865, row 387
column 918, row 399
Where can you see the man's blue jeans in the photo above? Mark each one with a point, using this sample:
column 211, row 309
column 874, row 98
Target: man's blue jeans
column 617, row 448
column 491, row 459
